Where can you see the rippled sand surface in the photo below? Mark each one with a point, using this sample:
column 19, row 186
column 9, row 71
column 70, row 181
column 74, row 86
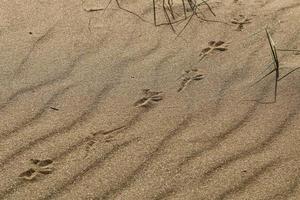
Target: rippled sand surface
column 103, row 104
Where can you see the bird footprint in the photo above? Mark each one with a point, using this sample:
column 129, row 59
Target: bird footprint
column 39, row 167
column 189, row 76
column 241, row 20
column 150, row 97
column 213, row 46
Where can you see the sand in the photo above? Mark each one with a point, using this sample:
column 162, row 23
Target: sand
column 101, row 104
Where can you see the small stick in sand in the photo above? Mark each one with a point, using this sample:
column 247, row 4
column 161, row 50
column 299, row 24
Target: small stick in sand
column 53, row 108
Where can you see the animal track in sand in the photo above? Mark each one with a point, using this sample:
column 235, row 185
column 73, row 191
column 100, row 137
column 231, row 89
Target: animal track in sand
column 241, row 20
column 109, row 138
column 150, row 97
column 89, row 146
column 188, row 77
column 39, row 167
column 92, row 141
column 213, row 46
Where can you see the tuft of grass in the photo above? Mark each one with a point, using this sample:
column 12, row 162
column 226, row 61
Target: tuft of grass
column 276, row 64
column 171, row 20
column 169, row 13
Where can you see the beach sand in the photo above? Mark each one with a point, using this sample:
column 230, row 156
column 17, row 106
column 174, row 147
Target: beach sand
column 100, row 103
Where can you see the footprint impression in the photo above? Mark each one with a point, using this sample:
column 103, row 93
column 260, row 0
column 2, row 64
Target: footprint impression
column 213, row 46
column 241, row 20
column 89, row 146
column 188, row 77
column 91, row 140
column 39, row 167
column 150, row 97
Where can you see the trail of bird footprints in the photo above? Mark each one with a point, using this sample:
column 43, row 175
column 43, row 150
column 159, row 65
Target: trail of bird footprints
column 39, row 167
column 148, row 98
column 241, row 20
column 213, row 46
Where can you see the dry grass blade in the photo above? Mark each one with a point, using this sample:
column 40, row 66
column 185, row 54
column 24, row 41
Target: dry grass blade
column 171, row 19
column 188, row 22
column 167, row 16
column 275, row 62
column 275, row 58
column 293, row 50
column 209, row 7
column 288, row 73
column 126, row 10
column 184, row 9
column 273, row 48
column 117, row 1
column 263, row 77
column 267, row 67
column 170, row 8
column 168, row 11
column 154, row 12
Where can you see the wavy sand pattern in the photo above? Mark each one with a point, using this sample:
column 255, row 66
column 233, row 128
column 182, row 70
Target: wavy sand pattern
column 99, row 103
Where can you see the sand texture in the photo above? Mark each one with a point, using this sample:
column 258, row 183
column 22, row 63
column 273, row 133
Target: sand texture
column 99, row 103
